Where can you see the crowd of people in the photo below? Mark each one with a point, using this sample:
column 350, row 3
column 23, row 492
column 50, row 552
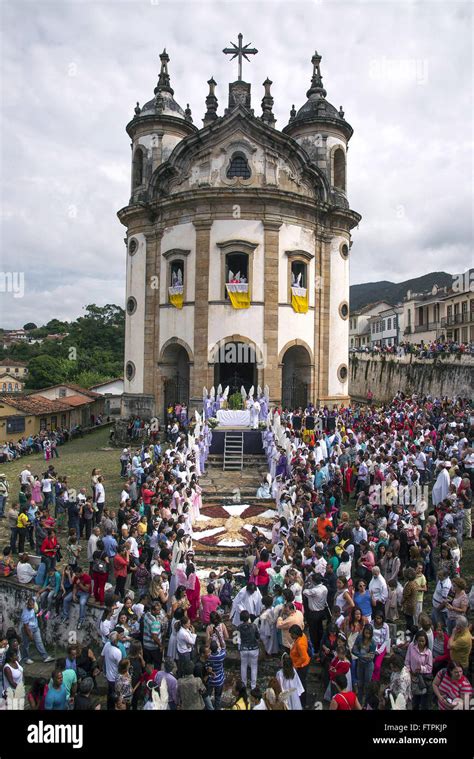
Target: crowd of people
column 356, row 598
column 46, row 442
column 428, row 349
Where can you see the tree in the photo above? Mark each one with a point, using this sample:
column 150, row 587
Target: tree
column 44, row 371
column 87, row 379
column 29, row 325
column 56, row 327
column 97, row 339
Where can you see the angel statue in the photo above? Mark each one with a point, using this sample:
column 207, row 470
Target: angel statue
column 206, row 403
column 296, row 281
column 225, row 396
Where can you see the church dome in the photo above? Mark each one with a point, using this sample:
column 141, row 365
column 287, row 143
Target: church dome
column 163, row 104
column 317, row 109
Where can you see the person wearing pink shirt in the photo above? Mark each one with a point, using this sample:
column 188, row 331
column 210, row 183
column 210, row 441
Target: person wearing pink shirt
column 209, row 603
column 419, row 661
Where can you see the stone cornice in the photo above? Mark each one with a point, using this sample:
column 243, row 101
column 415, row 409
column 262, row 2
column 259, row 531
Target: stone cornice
column 271, row 225
column 254, row 204
column 155, row 122
column 299, row 254
column 175, row 252
column 236, row 246
column 203, row 223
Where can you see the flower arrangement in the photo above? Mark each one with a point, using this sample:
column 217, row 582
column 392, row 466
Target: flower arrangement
column 212, row 422
column 235, row 402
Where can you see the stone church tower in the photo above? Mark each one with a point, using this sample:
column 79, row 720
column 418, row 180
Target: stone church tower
column 238, row 239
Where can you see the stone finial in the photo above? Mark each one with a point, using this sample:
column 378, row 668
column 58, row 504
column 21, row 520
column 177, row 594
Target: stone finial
column 317, row 79
column 341, row 112
column 211, row 103
column 187, row 114
column 137, row 109
column 293, row 113
column 164, row 77
column 267, row 104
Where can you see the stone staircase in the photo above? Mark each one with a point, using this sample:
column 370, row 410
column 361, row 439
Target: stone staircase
column 233, row 451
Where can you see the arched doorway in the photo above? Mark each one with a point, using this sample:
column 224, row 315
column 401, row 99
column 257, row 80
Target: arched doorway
column 235, row 364
column 174, row 368
column 296, row 377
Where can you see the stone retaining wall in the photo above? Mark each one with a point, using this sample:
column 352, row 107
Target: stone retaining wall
column 385, row 375
column 56, row 635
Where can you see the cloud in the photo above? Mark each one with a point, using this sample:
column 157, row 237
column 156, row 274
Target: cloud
column 71, row 74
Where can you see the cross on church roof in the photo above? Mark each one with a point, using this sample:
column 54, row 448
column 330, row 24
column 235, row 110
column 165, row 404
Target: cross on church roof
column 240, row 51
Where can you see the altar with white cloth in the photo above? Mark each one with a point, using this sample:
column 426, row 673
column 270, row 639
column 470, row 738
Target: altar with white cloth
column 231, row 418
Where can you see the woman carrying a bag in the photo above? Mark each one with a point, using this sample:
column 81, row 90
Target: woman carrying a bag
column 419, row 661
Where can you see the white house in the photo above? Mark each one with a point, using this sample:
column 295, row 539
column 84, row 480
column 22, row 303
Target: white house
column 359, row 331
column 385, row 327
column 113, row 391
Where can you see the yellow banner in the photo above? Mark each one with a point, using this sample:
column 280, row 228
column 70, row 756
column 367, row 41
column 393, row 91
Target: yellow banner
column 299, row 301
column 239, row 295
column 176, row 296
column 177, row 300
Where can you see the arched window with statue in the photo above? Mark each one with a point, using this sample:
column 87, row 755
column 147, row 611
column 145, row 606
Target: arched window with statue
column 236, row 268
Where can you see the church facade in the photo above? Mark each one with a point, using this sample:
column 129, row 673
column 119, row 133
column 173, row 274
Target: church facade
column 238, row 244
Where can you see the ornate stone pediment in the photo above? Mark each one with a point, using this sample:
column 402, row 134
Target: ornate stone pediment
column 203, row 160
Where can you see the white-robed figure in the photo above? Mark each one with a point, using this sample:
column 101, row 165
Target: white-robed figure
column 324, row 448
column 264, row 401
column 255, row 415
column 441, row 486
column 264, row 490
column 318, row 452
column 248, row 598
column 267, row 628
column 291, row 684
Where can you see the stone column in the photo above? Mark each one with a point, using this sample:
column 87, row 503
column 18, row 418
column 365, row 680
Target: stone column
column 152, row 318
column 200, row 370
column 321, row 314
column 271, row 371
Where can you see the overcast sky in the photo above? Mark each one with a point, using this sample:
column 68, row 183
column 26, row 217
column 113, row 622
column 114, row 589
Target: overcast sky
column 71, row 72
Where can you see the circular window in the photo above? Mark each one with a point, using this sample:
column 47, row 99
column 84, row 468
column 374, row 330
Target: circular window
column 344, row 250
column 132, row 246
column 344, row 310
column 130, row 370
column 342, row 372
column 131, row 306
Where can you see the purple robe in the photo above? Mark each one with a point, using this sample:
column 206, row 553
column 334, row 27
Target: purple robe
column 282, row 466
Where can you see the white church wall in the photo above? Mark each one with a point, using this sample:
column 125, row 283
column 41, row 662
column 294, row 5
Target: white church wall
column 295, row 237
column 169, row 143
column 135, row 324
column 149, row 141
column 179, row 236
column 222, row 230
column 293, row 326
column 331, row 141
column 175, row 322
column 225, row 321
column 338, row 327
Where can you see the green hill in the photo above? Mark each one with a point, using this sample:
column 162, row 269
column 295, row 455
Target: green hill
column 394, row 292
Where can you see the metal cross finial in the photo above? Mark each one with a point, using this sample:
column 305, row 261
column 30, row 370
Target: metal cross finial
column 240, row 51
